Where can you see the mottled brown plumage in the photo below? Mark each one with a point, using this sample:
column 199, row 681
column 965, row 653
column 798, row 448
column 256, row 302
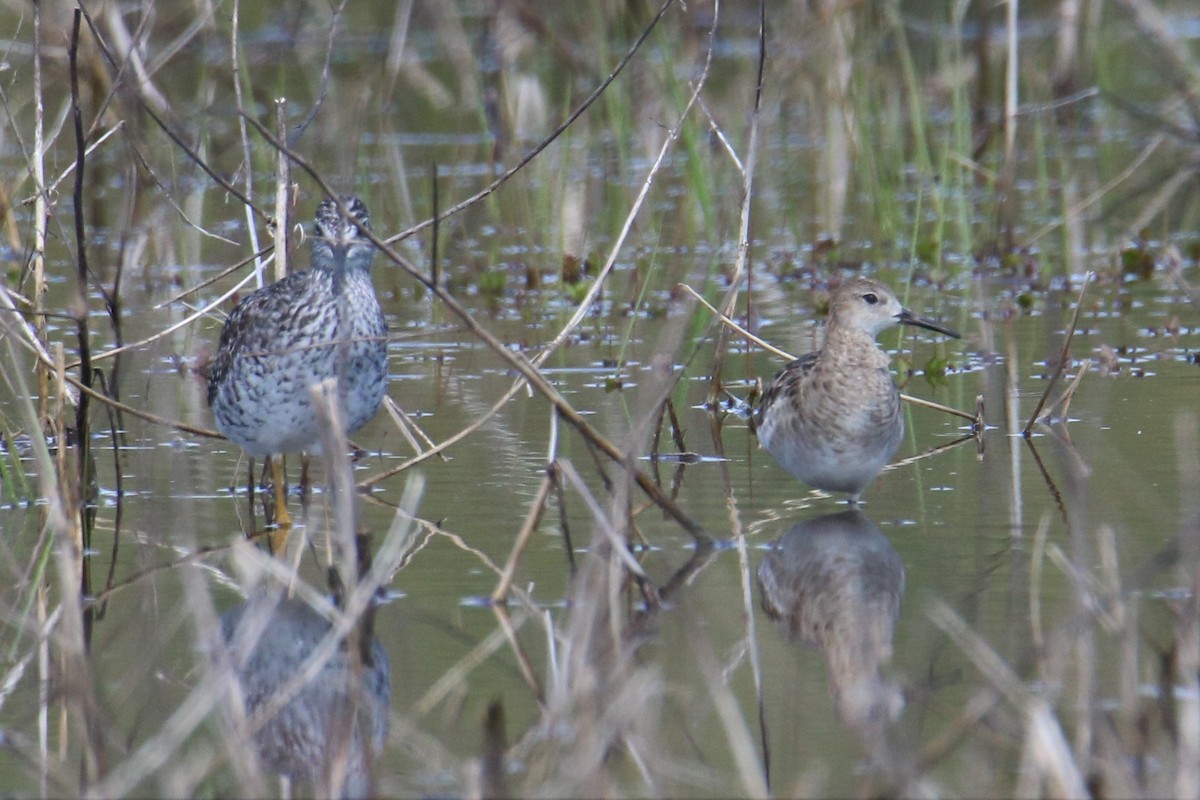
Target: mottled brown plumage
column 832, row 417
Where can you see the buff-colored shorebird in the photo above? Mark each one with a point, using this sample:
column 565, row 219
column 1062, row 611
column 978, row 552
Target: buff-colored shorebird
column 832, row 418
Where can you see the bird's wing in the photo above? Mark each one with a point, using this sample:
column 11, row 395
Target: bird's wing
column 260, row 321
column 789, row 376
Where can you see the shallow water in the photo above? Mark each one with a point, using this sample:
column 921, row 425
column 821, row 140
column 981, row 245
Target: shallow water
column 1019, row 538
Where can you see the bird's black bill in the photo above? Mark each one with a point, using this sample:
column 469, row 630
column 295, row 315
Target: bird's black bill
column 909, row 318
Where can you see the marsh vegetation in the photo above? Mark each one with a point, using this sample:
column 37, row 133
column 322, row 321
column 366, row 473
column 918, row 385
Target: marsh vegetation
column 583, row 575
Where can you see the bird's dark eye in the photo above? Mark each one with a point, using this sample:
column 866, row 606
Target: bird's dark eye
column 870, row 298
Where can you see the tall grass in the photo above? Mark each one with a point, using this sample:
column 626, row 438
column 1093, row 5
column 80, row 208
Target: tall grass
column 692, row 160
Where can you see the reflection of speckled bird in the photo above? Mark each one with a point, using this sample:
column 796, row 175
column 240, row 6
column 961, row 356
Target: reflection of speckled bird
column 832, row 418
column 330, row 733
column 836, row 583
column 284, row 338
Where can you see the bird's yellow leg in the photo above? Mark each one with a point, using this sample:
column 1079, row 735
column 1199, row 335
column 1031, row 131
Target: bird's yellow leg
column 279, row 481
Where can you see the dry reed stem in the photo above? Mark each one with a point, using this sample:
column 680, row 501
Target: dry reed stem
column 733, row 724
column 70, row 640
column 1048, row 765
column 40, row 218
column 596, row 692
column 280, row 227
column 235, row 66
column 743, row 251
column 331, row 422
column 346, row 556
column 1062, row 405
column 43, row 690
column 534, row 516
column 524, row 663
column 20, row 329
column 1037, row 561
column 602, row 521
column 1011, row 88
column 1046, row 759
column 408, row 426
column 750, row 619
column 55, row 517
column 1061, row 366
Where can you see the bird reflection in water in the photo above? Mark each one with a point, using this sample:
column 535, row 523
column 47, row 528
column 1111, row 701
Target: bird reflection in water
column 835, row 583
column 328, row 735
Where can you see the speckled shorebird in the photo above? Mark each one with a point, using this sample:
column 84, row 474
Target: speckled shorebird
column 284, row 338
column 832, row 418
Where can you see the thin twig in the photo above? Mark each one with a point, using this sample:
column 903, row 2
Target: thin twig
column 445, row 444
column 748, row 615
column 210, row 281
column 1061, row 406
column 1062, row 358
column 312, row 114
column 81, row 281
column 743, row 253
column 532, row 519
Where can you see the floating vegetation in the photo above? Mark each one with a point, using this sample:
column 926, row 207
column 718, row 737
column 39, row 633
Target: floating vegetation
column 599, row 227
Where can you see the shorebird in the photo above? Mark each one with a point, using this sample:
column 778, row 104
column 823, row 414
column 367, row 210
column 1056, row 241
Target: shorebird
column 832, row 418
column 317, row 324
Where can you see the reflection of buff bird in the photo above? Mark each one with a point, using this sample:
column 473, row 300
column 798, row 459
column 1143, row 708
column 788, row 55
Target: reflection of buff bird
column 328, row 735
column 309, row 327
column 832, row 418
column 835, row 583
